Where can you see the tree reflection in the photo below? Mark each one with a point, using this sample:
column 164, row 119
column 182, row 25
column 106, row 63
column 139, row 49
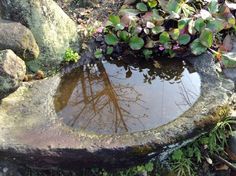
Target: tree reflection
column 164, row 69
column 95, row 96
column 100, row 100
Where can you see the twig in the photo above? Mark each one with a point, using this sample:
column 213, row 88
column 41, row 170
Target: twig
column 230, row 165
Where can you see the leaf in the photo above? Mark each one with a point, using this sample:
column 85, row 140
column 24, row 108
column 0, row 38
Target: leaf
column 111, row 39
column 147, row 53
column 183, row 23
column 142, row 7
column 124, row 36
column 173, row 6
column 227, row 43
column 199, row 24
column 119, row 27
column 215, row 25
column 152, row 3
column 197, row 48
column 213, row 6
column 187, row 9
column 159, row 20
column 177, row 155
column 157, row 30
column 110, row 50
column 206, row 37
column 149, row 167
column 115, row 20
column 205, row 14
column 191, row 28
column 98, row 53
column 174, row 34
column 150, row 25
column 136, row 43
column 164, row 38
column 184, row 39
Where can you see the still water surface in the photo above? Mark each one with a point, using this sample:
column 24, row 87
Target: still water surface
column 112, row 98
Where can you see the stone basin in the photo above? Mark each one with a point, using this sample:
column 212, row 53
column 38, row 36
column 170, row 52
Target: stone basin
column 31, row 132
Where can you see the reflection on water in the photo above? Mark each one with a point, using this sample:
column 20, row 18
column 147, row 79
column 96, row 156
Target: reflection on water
column 117, row 98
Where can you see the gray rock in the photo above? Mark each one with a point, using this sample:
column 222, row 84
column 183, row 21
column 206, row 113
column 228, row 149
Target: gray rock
column 232, row 142
column 230, row 73
column 29, row 114
column 52, row 28
column 18, row 38
column 12, row 72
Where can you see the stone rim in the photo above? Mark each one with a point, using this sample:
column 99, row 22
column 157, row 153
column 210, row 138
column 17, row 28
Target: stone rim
column 97, row 149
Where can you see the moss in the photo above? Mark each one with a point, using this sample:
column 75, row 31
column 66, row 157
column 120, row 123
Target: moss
column 142, row 150
column 215, row 115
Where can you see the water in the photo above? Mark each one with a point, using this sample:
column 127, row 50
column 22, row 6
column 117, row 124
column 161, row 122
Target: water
column 112, row 98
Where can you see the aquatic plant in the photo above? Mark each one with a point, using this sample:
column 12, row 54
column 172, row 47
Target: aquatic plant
column 170, row 27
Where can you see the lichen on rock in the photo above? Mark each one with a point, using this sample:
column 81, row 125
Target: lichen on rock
column 12, row 72
column 51, row 27
column 18, row 38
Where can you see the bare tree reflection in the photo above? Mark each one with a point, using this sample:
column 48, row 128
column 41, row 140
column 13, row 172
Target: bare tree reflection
column 104, row 101
column 95, row 96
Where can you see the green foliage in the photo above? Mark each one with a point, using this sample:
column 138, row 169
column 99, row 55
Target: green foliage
column 136, row 43
column 152, row 24
column 98, row 53
column 71, row 56
column 183, row 160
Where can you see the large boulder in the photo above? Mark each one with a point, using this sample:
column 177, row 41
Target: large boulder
column 52, row 28
column 12, row 72
column 18, row 38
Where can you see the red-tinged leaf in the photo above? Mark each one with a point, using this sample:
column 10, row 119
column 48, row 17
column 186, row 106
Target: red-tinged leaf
column 227, row 43
column 147, row 16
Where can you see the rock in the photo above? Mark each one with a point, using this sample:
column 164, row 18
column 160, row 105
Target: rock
column 232, row 143
column 18, row 38
column 230, row 73
column 52, row 28
column 12, row 72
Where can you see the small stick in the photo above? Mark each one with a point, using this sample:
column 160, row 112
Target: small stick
column 230, row 165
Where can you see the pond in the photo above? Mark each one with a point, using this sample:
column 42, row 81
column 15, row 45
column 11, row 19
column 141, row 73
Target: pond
column 114, row 97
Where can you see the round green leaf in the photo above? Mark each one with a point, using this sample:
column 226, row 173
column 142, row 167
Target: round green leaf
column 164, row 37
column 184, row 39
column 174, row 34
column 157, row 29
column 206, row 37
column 115, row 20
column 109, row 50
column 152, row 3
column 111, row 39
column 124, row 35
column 136, row 43
column 197, row 48
column 142, row 7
